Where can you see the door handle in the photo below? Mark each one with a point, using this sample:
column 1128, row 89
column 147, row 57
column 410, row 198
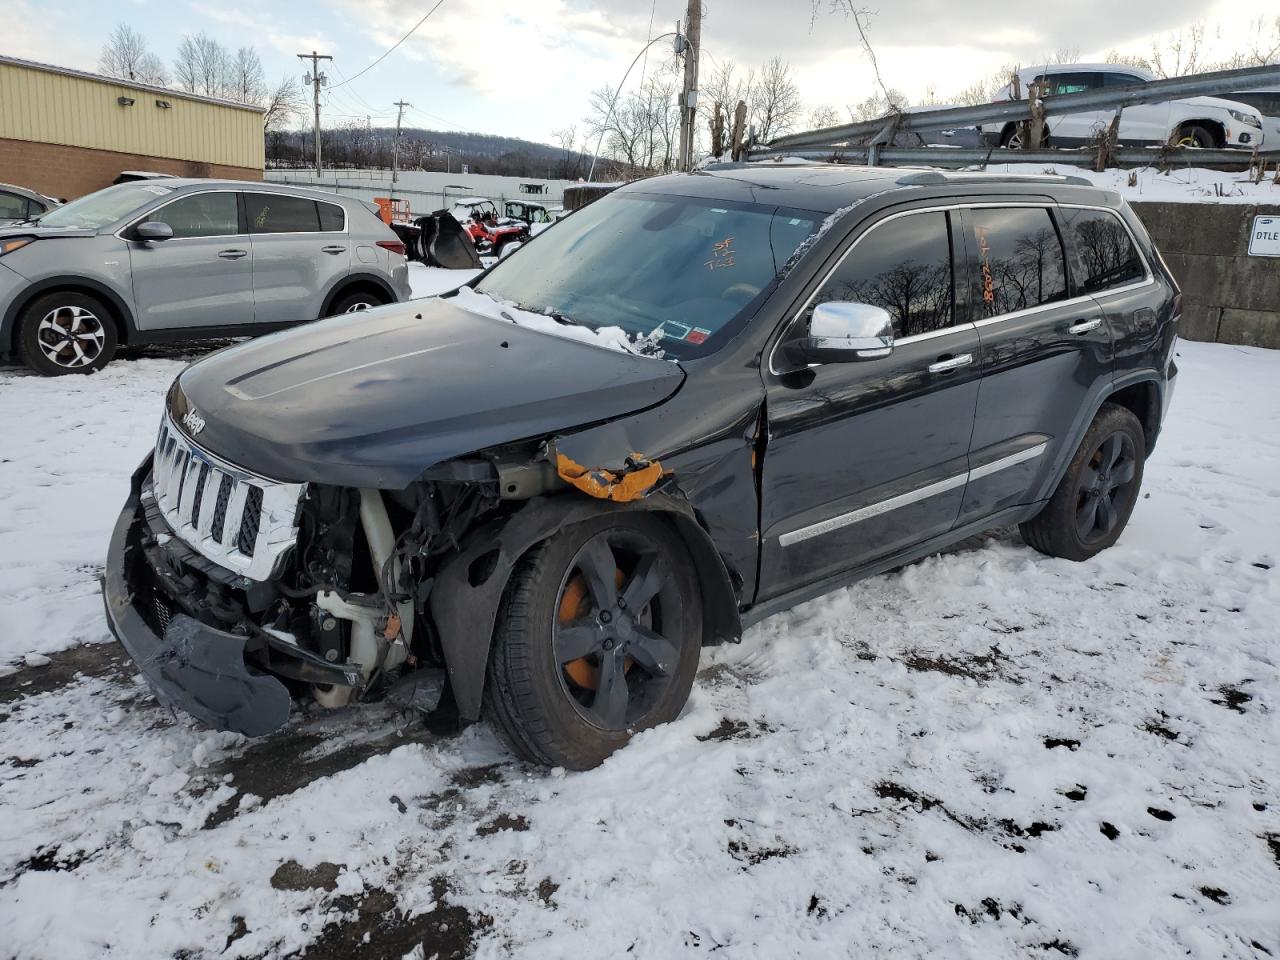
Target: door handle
column 1084, row 326
column 232, row 254
column 334, row 248
column 951, row 363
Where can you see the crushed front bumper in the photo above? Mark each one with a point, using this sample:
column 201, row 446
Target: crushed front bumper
column 190, row 665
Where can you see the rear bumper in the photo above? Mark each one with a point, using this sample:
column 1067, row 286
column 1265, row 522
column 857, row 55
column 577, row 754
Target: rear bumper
column 202, row 670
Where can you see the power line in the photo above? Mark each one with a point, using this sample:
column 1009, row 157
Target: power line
column 393, row 46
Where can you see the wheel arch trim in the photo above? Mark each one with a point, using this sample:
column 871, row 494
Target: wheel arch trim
column 356, row 280
column 122, row 315
column 465, row 613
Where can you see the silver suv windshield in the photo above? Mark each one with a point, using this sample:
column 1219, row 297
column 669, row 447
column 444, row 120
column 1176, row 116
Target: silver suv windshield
column 104, row 207
column 679, row 271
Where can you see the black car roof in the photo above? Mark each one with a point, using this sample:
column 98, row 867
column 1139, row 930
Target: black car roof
column 827, row 187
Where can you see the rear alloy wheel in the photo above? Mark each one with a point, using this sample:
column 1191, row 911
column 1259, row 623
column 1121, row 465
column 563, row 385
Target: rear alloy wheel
column 63, row 333
column 356, row 302
column 598, row 637
column 1095, row 498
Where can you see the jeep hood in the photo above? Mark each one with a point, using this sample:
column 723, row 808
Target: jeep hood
column 374, row 399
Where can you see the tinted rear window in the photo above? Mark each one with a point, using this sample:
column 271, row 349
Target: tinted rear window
column 1105, row 249
column 277, row 213
column 331, row 216
column 1020, row 260
column 12, row 206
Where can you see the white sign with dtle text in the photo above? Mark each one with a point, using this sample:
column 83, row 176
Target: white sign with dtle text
column 1264, row 238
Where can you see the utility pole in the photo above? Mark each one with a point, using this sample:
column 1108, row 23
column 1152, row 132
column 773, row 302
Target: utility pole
column 316, row 78
column 395, row 147
column 689, row 92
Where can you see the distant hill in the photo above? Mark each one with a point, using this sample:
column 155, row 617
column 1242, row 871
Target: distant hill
column 370, row 147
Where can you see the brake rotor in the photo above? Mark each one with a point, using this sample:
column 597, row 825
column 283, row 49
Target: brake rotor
column 575, row 603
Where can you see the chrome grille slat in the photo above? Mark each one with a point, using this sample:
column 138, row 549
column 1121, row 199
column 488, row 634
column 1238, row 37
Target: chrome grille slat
column 238, row 520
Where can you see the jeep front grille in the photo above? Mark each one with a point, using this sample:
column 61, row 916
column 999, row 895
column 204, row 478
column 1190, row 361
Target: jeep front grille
column 240, row 521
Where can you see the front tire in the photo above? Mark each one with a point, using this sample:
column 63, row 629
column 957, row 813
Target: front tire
column 66, row 332
column 1194, row 135
column 598, row 638
column 1096, row 496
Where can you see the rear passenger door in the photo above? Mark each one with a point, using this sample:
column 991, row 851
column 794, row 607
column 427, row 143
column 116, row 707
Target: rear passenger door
column 1046, row 356
column 301, row 249
column 1073, row 129
column 866, row 459
column 1142, row 122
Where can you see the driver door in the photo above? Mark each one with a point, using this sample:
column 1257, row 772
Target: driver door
column 203, row 275
column 867, row 458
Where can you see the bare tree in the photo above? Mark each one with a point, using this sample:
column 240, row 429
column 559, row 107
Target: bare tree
column 125, row 55
column 775, row 105
column 879, row 105
column 639, row 129
column 1127, row 60
column 202, row 65
column 822, row 116
column 1178, row 54
column 985, row 90
column 245, row 79
column 282, row 104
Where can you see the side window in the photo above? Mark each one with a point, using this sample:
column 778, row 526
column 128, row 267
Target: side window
column 1020, row 259
column 12, row 206
column 1060, row 83
column 904, row 266
column 331, row 216
column 1105, row 249
column 200, row 215
column 277, row 213
column 1121, row 79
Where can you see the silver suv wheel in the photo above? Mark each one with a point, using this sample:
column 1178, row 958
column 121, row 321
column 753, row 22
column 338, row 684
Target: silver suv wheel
column 71, row 336
column 358, row 306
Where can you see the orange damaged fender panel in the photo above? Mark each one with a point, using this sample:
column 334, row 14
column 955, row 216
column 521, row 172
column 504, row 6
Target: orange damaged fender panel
column 631, row 484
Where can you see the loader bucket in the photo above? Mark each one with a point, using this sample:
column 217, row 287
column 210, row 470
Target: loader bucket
column 444, row 243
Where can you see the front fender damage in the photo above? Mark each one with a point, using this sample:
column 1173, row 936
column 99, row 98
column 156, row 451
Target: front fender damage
column 468, row 588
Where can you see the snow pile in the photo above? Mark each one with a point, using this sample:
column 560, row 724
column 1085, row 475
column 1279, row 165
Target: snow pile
column 1178, row 185
column 614, row 338
column 987, row 754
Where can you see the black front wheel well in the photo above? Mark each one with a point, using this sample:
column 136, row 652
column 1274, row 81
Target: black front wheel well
column 1214, row 127
column 362, row 284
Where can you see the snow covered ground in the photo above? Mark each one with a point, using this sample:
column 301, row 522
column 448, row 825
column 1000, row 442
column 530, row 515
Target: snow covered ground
column 1178, row 185
column 988, row 754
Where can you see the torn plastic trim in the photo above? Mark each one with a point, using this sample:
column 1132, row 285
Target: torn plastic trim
column 636, row 480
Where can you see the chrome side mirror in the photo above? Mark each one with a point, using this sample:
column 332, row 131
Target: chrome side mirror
column 843, row 333
column 153, row 230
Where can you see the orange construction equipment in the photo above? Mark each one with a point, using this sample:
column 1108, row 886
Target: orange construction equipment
column 393, row 210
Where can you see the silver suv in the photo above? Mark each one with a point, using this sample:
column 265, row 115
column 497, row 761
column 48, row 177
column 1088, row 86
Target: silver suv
column 186, row 260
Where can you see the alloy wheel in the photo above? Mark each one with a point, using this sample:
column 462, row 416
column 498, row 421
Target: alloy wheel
column 1106, row 485
column 71, row 337
column 358, row 306
column 612, row 637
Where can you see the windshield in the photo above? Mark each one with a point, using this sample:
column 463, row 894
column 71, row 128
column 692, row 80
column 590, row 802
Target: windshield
column 104, row 207
column 674, row 270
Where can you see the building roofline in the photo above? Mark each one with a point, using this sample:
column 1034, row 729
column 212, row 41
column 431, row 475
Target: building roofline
column 130, row 84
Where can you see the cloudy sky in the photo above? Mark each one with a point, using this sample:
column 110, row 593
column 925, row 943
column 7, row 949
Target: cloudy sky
column 526, row 67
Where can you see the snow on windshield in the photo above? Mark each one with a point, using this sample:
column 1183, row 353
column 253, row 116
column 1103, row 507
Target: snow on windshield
column 614, row 338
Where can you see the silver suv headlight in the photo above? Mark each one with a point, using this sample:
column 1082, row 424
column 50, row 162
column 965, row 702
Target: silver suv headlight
column 1248, row 118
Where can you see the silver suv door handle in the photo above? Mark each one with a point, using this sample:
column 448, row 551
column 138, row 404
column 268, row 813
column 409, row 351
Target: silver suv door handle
column 1084, row 326
column 232, row 254
column 951, row 363
column 333, row 249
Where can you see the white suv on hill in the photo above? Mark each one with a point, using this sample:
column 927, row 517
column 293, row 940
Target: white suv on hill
column 1193, row 122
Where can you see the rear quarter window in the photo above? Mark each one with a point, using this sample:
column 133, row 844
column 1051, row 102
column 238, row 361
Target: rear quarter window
column 331, row 216
column 1104, row 248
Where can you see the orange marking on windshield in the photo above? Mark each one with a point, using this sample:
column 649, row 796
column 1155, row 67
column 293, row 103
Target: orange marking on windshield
column 721, row 254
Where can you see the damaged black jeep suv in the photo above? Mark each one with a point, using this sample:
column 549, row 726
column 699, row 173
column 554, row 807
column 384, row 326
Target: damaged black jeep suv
column 696, row 402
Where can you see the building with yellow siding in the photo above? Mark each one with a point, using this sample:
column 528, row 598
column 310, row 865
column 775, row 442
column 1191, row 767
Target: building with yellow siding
column 66, row 133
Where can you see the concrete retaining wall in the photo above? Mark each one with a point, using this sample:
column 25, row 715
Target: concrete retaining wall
column 1228, row 296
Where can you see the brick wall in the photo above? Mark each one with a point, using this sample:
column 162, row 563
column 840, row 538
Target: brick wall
column 70, row 172
column 1227, row 295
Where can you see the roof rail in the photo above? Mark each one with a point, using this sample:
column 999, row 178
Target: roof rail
column 928, row 177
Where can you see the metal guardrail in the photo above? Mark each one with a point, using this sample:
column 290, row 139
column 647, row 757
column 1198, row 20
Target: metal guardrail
column 956, row 157
column 1012, row 111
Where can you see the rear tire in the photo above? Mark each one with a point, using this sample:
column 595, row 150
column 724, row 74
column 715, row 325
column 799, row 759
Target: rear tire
column 355, row 302
column 637, row 660
column 1095, row 498
column 66, row 332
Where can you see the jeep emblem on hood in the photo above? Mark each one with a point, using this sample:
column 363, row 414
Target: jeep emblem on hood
column 193, row 422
